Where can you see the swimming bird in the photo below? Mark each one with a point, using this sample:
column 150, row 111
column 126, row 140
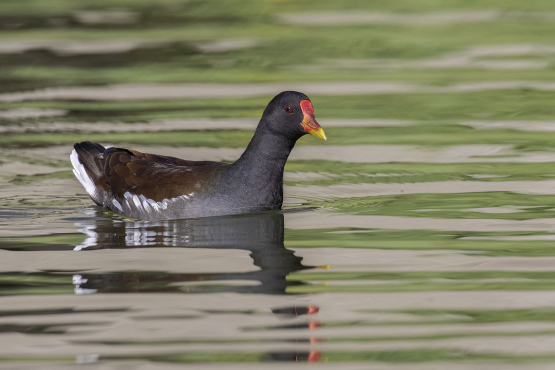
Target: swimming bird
column 156, row 187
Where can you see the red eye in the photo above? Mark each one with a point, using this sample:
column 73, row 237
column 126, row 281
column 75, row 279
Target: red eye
column 288, row 109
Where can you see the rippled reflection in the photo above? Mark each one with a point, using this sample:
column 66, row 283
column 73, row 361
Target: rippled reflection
column 262, row 234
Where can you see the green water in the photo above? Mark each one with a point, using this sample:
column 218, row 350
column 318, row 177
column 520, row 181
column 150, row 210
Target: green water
column 420, row 235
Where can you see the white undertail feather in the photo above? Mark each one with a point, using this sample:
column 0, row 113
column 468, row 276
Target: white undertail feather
column 82, row 176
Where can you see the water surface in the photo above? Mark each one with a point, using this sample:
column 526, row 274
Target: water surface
column 419, row 236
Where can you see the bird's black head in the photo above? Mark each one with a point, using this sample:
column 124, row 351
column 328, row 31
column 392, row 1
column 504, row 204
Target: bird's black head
column 290, row 114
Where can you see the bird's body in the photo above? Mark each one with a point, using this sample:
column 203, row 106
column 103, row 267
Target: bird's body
column 154, row 187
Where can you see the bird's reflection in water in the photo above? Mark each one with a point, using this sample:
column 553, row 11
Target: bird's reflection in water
column 262, row 234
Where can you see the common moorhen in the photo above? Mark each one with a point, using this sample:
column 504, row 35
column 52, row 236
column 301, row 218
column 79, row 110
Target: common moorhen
column 155, row 187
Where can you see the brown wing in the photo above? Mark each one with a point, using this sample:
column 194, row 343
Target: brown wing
column 154, row 176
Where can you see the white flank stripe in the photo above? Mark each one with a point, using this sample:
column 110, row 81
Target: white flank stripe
column 145, row 203
column 137, row 202
column 154, row 205
column 117, row 205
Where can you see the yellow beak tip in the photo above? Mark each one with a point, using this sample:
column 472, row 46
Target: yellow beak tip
column 319, row 133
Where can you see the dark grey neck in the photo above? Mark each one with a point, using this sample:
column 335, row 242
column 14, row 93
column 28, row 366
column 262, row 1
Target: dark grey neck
column 259, row 171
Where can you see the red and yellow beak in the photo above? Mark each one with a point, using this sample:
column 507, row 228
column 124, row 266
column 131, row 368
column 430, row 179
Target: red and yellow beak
column 309, row 123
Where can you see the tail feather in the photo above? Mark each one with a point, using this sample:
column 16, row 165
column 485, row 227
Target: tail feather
column 90, row 154
column 88, row 166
